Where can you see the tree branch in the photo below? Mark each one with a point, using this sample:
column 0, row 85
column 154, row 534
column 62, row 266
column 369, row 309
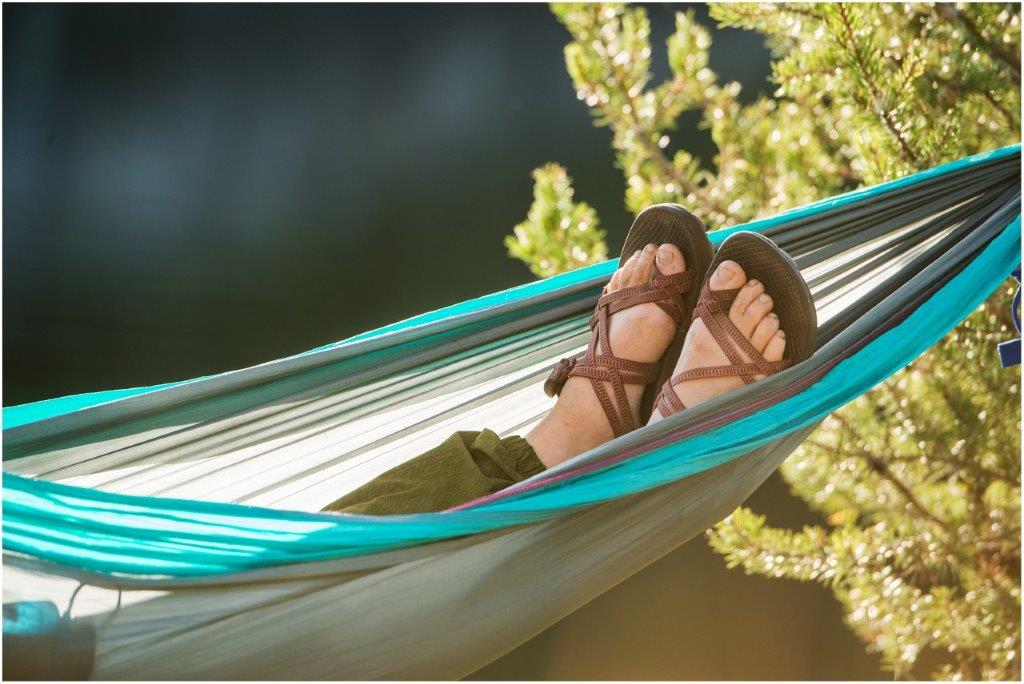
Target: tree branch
column 951, row 11
column 885, row 114
column 644, row 136
column 879, row 465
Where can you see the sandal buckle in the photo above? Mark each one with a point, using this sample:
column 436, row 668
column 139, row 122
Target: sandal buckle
column 558, row 376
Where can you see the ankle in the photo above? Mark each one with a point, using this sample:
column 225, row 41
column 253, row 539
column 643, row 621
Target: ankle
column 574, row 425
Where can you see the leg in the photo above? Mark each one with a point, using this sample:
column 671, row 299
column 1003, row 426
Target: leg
column 577, row 423
column 469, row 465
column 464, row 467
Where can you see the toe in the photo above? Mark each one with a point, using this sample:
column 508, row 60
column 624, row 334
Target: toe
column 670, row 260
column 644, row 266
column 747, row 295
column 755, row 313
column 728, row 276
column 625, row 273
column 776, row 346
column 774, row 349
column 613, row 283
column 764, row 331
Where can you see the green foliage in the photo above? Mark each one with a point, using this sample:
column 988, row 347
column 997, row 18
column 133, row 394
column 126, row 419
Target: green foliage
column 558, row 234
column 919, row 480
column 914, row 84
column 866, row 92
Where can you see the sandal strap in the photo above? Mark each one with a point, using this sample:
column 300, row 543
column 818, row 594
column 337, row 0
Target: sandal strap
column 665, row 291
column 618, row 413
column 599, row 362
column 712, row 308
column 668, row 402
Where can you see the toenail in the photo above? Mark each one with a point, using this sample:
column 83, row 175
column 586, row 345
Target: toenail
column 781, row 333
column 752, row 283
column 773, row 316
column 649, row 248
column 665, row 257
column 763, row 299
column 727, row 269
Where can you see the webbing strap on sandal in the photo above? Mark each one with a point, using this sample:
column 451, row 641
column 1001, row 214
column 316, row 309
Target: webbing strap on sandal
column 599, row 362
column 712, row 308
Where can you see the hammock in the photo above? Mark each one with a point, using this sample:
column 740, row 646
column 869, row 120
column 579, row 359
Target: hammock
column 175, row 526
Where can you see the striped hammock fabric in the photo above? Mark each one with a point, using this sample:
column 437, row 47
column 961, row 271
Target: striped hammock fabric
column 178, row 523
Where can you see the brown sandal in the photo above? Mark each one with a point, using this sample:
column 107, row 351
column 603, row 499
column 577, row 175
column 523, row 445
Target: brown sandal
column 760, row 259
column 675, row 294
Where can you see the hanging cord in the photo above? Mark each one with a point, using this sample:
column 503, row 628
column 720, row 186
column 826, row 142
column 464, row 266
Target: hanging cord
column 71, row 603
column 1009, row 352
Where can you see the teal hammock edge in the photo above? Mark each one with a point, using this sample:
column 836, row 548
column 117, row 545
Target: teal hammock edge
column 15, row 416
column 117, row 534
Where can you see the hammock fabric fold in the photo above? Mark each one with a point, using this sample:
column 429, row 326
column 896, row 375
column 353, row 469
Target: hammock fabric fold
column 151, row 498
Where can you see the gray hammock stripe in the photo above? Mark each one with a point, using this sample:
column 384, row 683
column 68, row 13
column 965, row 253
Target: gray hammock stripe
column 353, row 372
column 899, row 216
column 931, row 188
column 412, row 384
column 955, row 223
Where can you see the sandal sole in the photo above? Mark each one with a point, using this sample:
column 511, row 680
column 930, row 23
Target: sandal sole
column 763, row 260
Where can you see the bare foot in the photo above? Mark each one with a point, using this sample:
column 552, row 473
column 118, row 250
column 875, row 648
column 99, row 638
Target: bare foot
column 751, row 313
column 641, row 333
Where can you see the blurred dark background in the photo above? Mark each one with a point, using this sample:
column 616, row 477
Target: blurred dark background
column 195, row 188
column 190, row 189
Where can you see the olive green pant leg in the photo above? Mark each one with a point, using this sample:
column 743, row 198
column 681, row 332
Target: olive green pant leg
column 465, row 466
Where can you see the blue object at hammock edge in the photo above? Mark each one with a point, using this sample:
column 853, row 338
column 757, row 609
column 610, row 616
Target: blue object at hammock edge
column 1009, row 352
column 23, row 414
column 118, row 534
